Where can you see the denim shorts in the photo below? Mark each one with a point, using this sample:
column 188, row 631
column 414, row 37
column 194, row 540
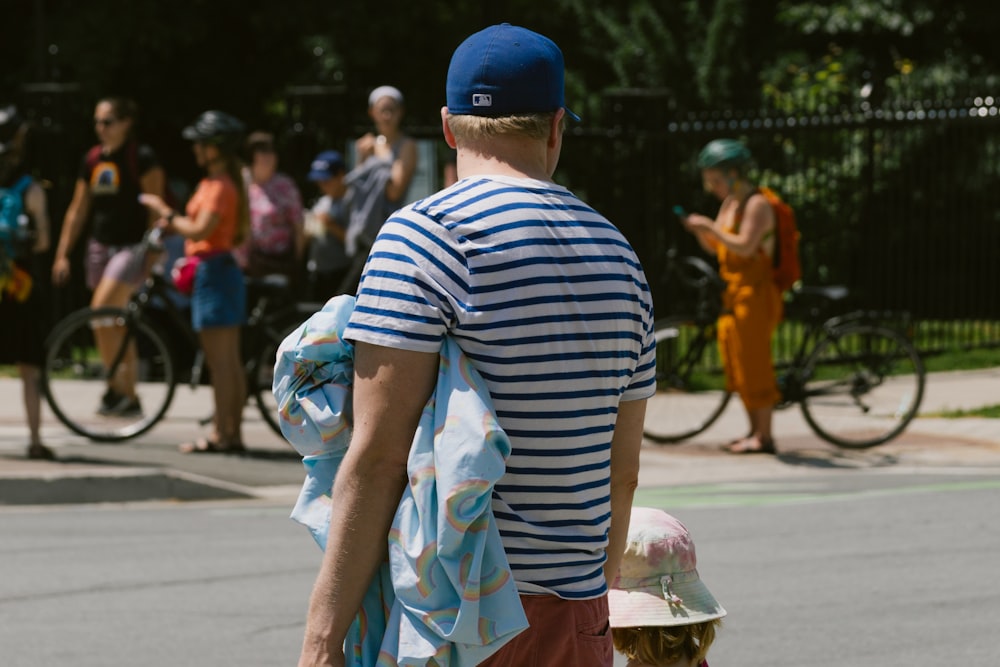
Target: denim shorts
column 220, row 295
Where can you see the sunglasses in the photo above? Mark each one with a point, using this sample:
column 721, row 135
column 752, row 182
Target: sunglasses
column 105, row 122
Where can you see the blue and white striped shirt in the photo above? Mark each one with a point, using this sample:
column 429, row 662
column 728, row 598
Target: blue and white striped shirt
column 549, row 302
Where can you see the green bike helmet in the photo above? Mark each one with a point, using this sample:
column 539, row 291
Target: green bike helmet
column 723, row 153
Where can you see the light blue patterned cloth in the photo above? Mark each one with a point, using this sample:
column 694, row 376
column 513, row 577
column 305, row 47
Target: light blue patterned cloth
column 446, row 597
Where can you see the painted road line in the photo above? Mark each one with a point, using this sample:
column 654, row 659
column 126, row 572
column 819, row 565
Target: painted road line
column 762, row 494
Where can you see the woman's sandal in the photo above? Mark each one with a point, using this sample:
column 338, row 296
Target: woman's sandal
column 752, row 445
column 40, row 452
column 206, row 446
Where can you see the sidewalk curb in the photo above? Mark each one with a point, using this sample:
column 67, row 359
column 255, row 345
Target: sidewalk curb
column 113, row 486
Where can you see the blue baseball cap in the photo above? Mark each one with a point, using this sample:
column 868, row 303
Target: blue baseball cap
column 326, row 165
column 506, row 70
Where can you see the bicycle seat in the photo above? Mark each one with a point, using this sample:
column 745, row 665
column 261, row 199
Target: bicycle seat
column 273, row 284
column 824, row 292
column 812, row 302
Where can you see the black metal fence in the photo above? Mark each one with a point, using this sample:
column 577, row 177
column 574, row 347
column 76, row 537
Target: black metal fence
column 901, row 205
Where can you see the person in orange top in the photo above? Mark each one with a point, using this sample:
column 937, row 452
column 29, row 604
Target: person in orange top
column 742, row 236
column 215, row 221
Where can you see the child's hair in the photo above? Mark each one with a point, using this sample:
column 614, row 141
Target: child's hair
column 666, row 644
column 660, row 610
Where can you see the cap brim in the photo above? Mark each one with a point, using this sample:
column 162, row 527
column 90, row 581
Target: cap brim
column 569, row 112
column 647, row 607
column 318, row 175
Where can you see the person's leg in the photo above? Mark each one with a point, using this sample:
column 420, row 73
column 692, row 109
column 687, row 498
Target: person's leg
column 32, row 396
column 761, row 420
column 218, row 310
column 222, row 355
column 748, row 343
column 122, row 272
column 109, row 338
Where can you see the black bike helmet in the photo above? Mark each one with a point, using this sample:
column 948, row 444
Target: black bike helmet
column 10, row 123
column 723, row 153
column 216, row 127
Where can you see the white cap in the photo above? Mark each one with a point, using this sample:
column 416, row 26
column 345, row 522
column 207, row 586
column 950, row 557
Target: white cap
column 385, row 91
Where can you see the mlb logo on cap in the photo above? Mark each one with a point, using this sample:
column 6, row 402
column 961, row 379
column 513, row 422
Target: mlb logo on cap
column 506, row 70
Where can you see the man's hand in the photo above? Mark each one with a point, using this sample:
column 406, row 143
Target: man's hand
column 315, row 655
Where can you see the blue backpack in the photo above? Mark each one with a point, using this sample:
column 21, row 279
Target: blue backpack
column 15, row 233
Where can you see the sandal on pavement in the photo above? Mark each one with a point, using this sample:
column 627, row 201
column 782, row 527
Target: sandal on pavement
column 752, row 445
column 206, row 446
column 40, row 452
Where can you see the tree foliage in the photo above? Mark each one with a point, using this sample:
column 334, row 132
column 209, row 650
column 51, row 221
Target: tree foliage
column 180, row 57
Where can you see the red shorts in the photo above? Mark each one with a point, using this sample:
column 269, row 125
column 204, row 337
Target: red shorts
column 568, row 633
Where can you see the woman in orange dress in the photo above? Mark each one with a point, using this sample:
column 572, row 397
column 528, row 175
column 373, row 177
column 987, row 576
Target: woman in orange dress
column 742, row 237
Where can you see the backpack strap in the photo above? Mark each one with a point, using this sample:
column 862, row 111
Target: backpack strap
column 773, row 200
column 22, row 184
column 93, row 157
column 131, row 159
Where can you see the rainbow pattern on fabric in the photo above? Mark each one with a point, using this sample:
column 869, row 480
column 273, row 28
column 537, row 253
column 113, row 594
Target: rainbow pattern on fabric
column 488, row 584
column 446, row 542
column 420, row 477
column 444, row 619
column 469, row 373
column 488, row 630
column 463, row 505
column 425, row 569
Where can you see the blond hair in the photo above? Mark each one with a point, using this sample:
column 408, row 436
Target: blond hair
column 665, row 645
column 472, row 129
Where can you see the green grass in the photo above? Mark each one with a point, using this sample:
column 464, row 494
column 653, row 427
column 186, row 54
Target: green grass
column 962, row 360
column 988, row 411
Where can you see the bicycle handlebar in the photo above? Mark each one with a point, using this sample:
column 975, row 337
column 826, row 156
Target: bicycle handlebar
column 692, row 271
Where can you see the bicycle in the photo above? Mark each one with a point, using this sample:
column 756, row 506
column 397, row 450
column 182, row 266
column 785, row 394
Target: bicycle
column 857, row 379
column 159, row 336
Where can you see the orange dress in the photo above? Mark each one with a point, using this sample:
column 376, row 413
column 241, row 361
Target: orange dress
column 752, row 309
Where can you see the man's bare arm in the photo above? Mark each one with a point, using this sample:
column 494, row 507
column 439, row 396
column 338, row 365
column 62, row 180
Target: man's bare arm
column 625, row 447
column 391, row 387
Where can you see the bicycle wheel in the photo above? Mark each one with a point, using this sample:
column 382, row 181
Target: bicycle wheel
column 262, row 377
column 690, row 384
column 862, row 385
column 74, row 376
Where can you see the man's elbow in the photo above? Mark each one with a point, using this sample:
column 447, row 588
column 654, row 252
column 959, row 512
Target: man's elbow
column 626, row 480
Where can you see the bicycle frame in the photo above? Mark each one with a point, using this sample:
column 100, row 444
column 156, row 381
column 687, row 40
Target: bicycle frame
column 156, row 294
column 791, row 383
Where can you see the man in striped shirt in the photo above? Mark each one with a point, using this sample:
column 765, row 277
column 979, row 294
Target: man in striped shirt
column 549, row 302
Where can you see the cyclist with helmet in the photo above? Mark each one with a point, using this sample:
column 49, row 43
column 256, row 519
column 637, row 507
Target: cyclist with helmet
column 742, row 237
column 216, row 220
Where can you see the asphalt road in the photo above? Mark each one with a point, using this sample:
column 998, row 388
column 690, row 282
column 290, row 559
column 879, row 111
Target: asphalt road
column 891, row 566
